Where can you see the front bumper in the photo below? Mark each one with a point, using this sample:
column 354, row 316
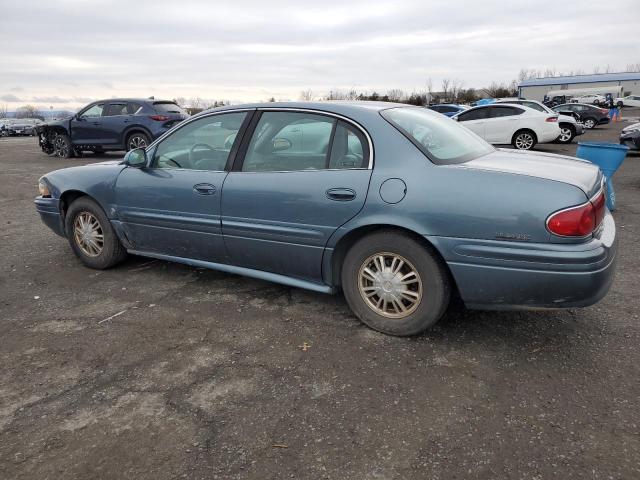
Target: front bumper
column 49, row 210
column 500, row 275
column 579, row 129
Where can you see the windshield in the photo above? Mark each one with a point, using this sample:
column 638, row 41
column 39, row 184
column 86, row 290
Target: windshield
column 442, row 140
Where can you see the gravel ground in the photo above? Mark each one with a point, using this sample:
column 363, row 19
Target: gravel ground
column 155, row 370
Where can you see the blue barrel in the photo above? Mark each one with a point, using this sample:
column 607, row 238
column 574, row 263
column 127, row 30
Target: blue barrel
column 609, row 157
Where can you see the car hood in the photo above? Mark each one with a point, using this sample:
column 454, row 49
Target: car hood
column 560, row 168
column 634, row 126
column 105, row 163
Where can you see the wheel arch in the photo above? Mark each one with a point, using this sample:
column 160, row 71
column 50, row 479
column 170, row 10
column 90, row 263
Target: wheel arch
column 350, row 238
column 524, row 129
column 68, row 197
column 134, row 129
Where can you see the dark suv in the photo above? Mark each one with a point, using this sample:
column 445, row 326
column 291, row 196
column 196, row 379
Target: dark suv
column 115, row 124
column 589, row 115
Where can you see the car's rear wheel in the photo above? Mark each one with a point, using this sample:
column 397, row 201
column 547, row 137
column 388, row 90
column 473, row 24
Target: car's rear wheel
column 524, row 140
column 91, row 235
column 137, row 140
column 589, row 123
column 62, row 146
column 567, row 133
column 394, row 284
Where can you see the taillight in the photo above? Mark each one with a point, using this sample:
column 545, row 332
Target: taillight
column 578, row 221
column 604, row 112
column 159, row 118
column 552, row 119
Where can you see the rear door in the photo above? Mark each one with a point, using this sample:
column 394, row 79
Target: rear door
column 299, row 177
column 114, row 121
column 502, row 123
column 475, row 120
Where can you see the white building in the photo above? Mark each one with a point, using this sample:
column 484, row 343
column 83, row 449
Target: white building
column 537, row 88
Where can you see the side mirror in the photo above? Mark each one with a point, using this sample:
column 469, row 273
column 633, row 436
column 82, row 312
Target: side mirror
column 78, row 118
column 280, row 144
column 136, row 158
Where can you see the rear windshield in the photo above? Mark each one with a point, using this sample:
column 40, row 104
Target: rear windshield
column 441, row 139
column 167, row 107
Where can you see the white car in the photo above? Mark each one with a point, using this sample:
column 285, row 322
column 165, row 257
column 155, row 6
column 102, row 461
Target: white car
column 569, row 126
column 590, row 99
column 628, row 101
column 503, row 124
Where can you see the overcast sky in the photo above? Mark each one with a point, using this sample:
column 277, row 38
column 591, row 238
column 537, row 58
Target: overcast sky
column 65, row 53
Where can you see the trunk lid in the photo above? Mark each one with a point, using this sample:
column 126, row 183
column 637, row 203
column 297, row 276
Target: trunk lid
column 560, row 168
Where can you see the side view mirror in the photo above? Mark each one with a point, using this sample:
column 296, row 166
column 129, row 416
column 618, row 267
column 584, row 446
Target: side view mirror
column 136, row 158
column 79, row 118
column 280, row 144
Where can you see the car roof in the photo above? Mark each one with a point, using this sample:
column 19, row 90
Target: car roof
column 145, row 100
column 335, row 106
column 576, row 103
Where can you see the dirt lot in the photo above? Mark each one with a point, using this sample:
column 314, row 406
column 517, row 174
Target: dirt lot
column 154, row 370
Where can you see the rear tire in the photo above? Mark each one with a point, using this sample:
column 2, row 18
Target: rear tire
column 91, row 236
column 62, row 146
column 524, row 140
column 567, row 133
column 137, row 140
column 589, row 123
column 398, row 298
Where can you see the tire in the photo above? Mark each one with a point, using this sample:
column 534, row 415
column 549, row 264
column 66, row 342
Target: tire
column 137, row 140
column 62, row 146
column 589, row 123
column 567, row 133
column 428, row 295
column 620, row 104
column 524, row 140
column 98, row 255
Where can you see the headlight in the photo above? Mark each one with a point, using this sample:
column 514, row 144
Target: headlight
column 44, row 189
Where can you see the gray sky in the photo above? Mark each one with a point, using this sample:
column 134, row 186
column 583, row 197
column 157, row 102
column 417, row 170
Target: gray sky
column 65, row 53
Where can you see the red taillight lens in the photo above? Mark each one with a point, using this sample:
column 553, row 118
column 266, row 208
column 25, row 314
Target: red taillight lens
column 552, row 119
column 604, row 112
column 159, row 118
column 578, row 221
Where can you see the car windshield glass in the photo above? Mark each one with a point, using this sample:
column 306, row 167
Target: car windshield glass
column 167, row 107
column 442, row 140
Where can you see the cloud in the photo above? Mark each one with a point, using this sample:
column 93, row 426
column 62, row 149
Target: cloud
column 252, row 50
column 52, row 99
column 10, row 97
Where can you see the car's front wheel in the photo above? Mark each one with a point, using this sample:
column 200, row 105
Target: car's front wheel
column 524, row 140
column 91, row 235
column 394, row 284
column 62, row 146
column 567, row 133
column 137, row 140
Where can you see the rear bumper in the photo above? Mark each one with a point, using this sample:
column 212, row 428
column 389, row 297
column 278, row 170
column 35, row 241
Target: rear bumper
column 49, row 210
column 604, row 121
column 512, row 275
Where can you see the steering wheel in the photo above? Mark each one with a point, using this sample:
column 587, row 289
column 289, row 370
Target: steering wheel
column 193, row 149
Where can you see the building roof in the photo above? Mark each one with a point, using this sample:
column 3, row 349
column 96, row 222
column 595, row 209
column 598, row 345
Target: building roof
column 594, row 78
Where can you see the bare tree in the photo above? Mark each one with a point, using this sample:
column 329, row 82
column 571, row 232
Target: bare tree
column 395, row 95
column 456, row 87
column 429, row 91
column 307, row 95
column 446, row 82
column 29, row 111
column 596, row 69
column 3, row 110
column 633, row 67
column 180, row 101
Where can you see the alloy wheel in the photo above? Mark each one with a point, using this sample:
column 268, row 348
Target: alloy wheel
column 137, row 141
column 88, row 234
column 589, row 123
column 390, row 285
column 60, row 147
column 524, row 141
column 565, row 134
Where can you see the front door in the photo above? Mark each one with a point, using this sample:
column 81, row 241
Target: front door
column 300, row 177
column 86, row 127
column 501, row 123
column 172, row 207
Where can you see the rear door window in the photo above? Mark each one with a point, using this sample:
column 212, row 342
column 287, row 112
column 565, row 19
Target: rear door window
column 497, row 112
column 114, row 109
column 476, row 114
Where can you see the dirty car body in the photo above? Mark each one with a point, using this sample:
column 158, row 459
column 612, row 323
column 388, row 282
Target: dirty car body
column 259, row 190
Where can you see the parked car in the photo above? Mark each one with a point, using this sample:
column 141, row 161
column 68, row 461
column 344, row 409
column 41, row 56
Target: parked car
column 590, row 99
column 115, row 124
column 630, row 136
column 448, row 109
column 395, row 205
column 588, row 115
column 556, row 100
column 628, row 101
column 505, row 124
column 569, row 126
column 23, row 126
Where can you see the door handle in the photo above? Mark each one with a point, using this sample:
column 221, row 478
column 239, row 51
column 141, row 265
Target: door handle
column 341, row 194
column 204, row 189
